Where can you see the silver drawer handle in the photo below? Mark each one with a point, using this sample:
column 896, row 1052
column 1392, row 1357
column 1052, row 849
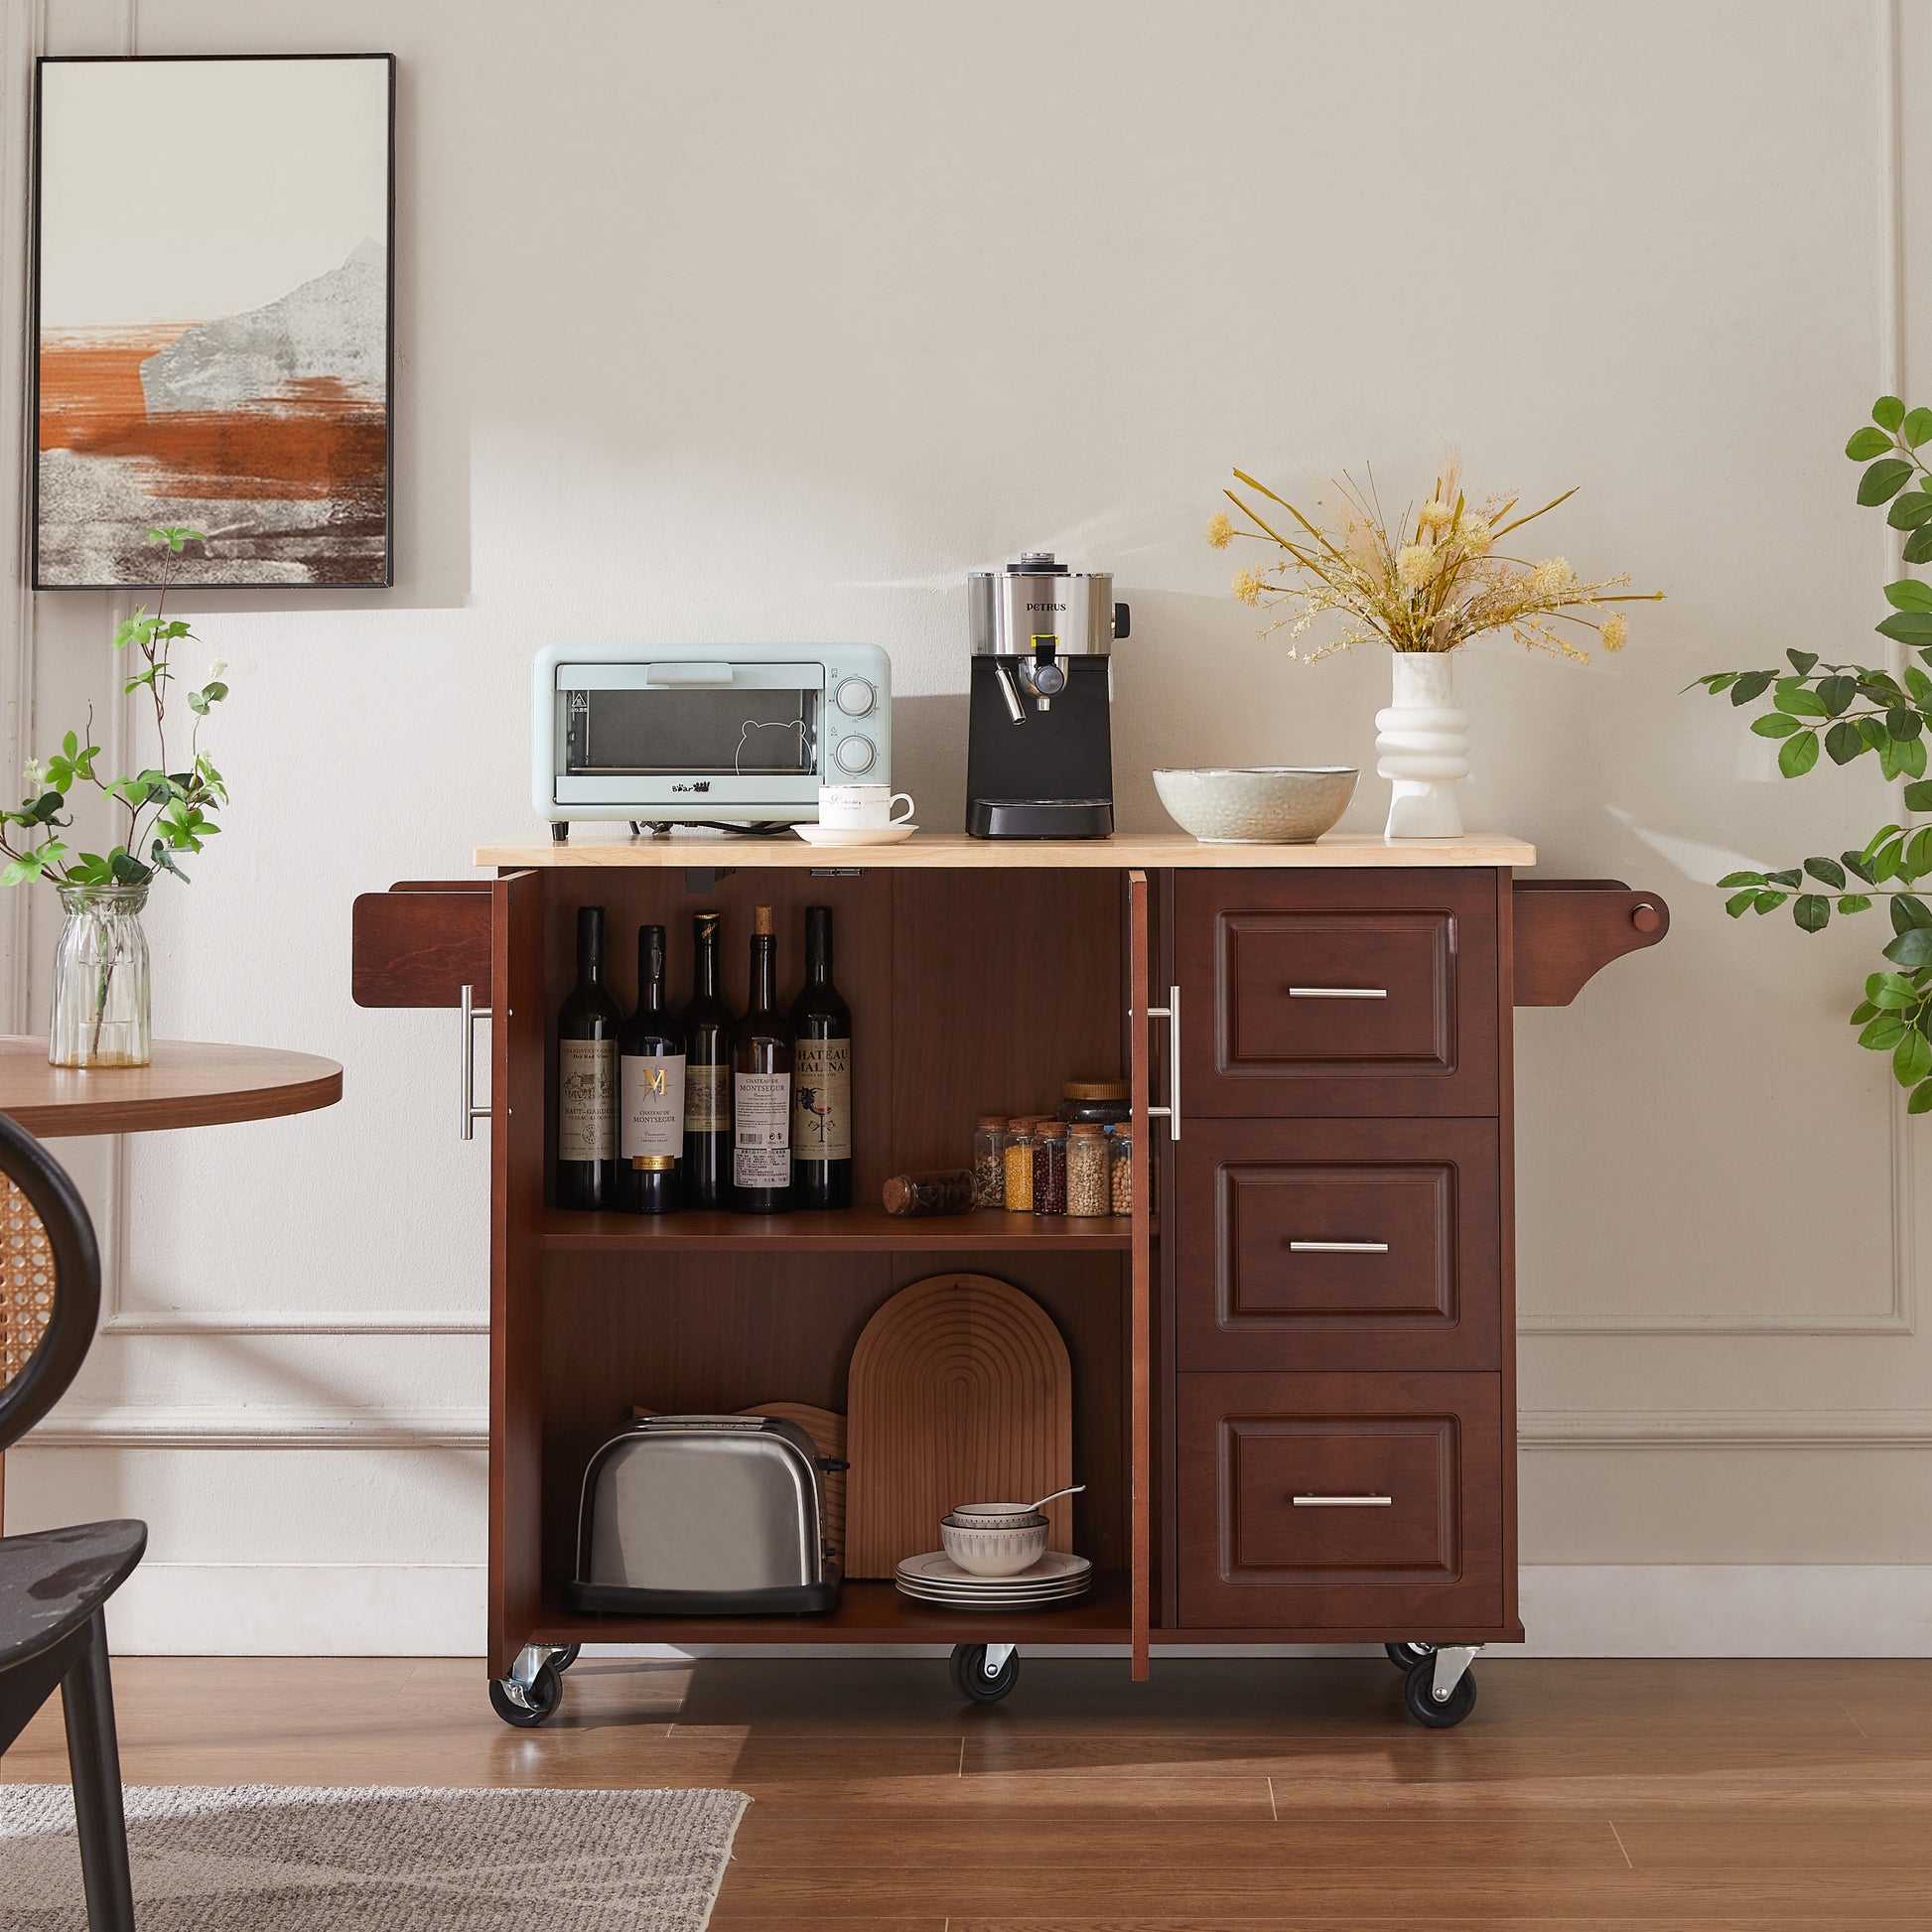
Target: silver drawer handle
column 1338, row 1247
column 1343, row 1502
column 468, row 1111
column 1337, row 992
column 1171, row 1013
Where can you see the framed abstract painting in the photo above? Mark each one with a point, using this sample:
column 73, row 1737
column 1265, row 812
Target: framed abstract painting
column 213, row 310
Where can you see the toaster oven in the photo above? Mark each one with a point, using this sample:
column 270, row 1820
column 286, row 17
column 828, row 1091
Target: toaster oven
column 705, row 734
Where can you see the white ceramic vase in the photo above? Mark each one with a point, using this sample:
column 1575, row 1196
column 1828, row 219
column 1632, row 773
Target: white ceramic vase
column 1423, row 741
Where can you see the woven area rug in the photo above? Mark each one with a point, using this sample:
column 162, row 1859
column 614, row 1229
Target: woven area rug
column 298, row 1859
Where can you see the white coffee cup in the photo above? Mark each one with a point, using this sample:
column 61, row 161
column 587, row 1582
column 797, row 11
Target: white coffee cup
column 862, row 808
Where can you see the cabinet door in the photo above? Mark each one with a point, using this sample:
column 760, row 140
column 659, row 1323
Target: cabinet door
column 1333, row 993
column 1362, row 1504
column 1339, row 1244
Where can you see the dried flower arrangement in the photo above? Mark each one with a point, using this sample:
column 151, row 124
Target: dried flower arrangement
column 1446, row 583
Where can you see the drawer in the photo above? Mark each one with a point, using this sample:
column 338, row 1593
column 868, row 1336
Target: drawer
column 1324, row 994
column 1339, row 1244
column 1371, row 1503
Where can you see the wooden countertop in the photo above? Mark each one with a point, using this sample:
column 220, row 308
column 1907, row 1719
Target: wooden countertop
column 592, row 846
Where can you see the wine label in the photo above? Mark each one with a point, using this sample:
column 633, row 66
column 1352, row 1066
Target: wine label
column 707, row 1101
column 761, row 1130
column 821, row 1099
column 587, row 1099
column 651, row 1106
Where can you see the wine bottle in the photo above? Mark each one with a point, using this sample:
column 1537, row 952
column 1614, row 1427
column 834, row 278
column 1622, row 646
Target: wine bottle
column 761, row 1086
column 706, row 1024
column 821, row 1077
column 650, row 1091
column 587, row 1076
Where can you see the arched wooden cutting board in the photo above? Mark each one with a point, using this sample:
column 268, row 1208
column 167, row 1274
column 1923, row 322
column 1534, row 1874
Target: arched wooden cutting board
column 960, row 1391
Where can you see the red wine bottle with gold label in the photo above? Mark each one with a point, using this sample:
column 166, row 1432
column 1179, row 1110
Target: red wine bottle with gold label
column 587, row 1076
column 650, row 1091
column 821, row 1077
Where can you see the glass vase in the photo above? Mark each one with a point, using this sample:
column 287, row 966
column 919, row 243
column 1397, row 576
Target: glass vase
column 102, row 1014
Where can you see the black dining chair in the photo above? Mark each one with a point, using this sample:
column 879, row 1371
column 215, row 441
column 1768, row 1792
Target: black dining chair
column 53, row 1583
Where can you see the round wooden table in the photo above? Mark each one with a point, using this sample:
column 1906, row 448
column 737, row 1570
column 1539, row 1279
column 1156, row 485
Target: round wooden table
column 189, row 1084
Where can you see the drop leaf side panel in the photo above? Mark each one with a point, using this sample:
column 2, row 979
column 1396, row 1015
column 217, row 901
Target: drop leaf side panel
column 517, row 1161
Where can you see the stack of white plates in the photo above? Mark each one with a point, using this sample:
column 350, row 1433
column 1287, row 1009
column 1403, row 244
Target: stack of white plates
column 935, row 1579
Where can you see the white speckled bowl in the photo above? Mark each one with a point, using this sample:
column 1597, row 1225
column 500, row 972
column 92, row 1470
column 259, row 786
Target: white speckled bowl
column 1283, row 804
column 994, row 1553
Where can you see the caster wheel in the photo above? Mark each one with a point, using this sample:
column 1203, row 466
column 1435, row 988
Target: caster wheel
column 1406, row 1656
column 1418, row 1692
column 969, row 1674
column 561, row 1660
column 546, row 1692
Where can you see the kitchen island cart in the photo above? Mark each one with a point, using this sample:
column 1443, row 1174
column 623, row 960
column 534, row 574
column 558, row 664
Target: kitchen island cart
column 1293, row 1360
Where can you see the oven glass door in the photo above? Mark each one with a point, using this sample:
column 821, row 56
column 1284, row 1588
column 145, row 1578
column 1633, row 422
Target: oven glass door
column 655, row 733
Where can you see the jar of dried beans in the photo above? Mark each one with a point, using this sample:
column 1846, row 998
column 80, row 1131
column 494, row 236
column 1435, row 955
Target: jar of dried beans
column 1120, row 1144
column 1050, row 1169
column 1089, row 1184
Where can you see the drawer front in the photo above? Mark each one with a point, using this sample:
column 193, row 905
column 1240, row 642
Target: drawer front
column 1338, row 992
column 1341, row 1502
column 1339, row 1244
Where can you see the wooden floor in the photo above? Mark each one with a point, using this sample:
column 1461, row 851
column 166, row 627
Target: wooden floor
column 1243, row 1794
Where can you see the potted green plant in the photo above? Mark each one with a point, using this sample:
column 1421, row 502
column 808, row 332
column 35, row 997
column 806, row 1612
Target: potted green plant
column 101, row 997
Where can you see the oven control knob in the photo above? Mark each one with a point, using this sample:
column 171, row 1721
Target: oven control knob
column 855, row 754
column 855, row 697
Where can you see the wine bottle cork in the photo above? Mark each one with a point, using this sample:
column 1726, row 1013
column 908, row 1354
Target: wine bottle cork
column 762, row 926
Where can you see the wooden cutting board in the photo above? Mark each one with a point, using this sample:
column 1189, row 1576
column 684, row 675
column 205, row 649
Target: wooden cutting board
column 827, row 1432
column 960, row 1391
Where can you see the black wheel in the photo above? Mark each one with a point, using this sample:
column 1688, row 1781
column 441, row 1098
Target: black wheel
column 546, row 1692
column 969, row 1674
column 561, row 1660
column 559, row 831
column 1406, row 1656
column 1419, row 1694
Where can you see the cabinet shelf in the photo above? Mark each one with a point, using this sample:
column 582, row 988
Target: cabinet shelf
column 868, row 1612
column 985, row 1231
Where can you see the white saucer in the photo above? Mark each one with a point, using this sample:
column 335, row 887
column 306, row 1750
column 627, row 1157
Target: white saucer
column 855, row 834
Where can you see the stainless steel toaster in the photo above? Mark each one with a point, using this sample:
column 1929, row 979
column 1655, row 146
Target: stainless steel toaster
column 705, row 1516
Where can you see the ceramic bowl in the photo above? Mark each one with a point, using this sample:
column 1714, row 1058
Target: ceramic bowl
column 994, row 1553
column 1281, row 805
column 994, row 1516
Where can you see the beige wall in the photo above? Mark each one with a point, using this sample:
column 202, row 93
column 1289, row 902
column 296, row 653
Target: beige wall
column 764, row 320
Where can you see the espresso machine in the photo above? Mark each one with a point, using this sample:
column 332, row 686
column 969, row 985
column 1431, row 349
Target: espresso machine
column 1039, row 748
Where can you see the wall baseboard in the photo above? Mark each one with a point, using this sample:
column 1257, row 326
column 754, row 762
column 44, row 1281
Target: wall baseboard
column 188, row 1610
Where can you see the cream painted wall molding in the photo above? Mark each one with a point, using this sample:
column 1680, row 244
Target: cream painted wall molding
column 327, row 1609
column 247, row 1427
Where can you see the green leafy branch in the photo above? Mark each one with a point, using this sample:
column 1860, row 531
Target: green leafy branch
column 1846, row 711
column 168, row 811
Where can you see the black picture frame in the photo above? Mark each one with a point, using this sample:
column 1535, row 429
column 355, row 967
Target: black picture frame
column 187, row 581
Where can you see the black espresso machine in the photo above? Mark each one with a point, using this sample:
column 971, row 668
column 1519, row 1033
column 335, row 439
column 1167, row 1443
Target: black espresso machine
column 1039, row 748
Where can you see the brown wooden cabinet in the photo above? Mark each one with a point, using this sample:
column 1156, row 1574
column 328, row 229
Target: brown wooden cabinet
column 1292, row 1364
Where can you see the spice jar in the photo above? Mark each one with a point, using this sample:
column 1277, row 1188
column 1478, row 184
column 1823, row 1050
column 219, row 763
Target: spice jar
column 1018, row 1158
column 1103, row 1101
column 1089, row 1182
column 1120, row 1145
column 1050, row 1169
column 990, row 1162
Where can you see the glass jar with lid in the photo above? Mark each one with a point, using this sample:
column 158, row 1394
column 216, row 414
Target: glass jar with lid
column 1017, row 1158
column 1119, row 1146
column 1050, row 1169
column 1104, row 1102
column 1089, row 1177
column 990, row 1162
